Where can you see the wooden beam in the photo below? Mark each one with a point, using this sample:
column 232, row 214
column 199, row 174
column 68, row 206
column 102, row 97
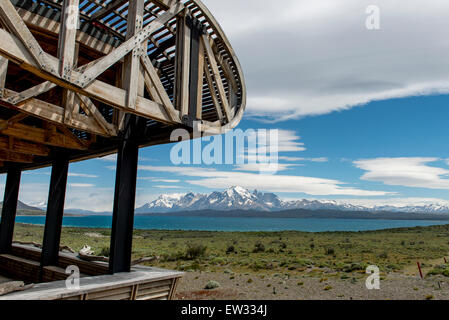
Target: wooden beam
column 126, row 47
column 182, row 65
column 24, row 147
column 196, row 75
column 30, row 93
column 101, row 91
column 55, row 114
column 217, row 78
column 41, row 136
column 13, row 22
column 133, row 73
column 91, row 109
column 67, row 37
column 3, row 72
column 6, row 155
column 159, row 92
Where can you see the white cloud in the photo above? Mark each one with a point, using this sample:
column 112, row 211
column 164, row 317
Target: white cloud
column 82, row 175
column 308, row 57
column 81, row 185
column 152, row 179
column 214, row 179
column 409, row 172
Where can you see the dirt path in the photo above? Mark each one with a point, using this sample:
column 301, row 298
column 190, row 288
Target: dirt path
column 253, row 287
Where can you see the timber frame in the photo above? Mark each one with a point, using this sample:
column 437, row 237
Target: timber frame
column 72, row 70
column 81, row 79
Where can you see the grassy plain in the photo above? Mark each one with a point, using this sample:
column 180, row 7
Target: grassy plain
column 333, row 254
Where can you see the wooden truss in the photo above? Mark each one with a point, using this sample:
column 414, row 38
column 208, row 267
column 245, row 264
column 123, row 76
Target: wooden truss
column 169, row 60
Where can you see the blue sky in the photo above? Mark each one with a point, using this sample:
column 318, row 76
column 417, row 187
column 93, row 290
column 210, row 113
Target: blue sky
column 392, row 130
column 362, row 113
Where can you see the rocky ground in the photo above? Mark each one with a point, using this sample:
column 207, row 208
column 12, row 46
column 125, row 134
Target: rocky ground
column 394, row 286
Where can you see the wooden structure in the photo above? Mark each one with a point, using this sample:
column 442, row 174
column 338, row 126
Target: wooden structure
column 86, row 78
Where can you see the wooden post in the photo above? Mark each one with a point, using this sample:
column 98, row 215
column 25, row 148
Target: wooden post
column 182, row 64
column 55, row 211
column 196, row 73
column 124, row 200
column 9, row 209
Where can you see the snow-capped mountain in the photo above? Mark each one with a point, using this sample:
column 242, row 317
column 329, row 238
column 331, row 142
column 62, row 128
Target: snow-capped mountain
column 238, row 198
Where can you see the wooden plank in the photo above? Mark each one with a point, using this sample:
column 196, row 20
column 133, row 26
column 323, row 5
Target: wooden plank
column 159, row 92
column 101, row 91
column 217, row 78
column 12, row 20
column 24, row 147
column 126, row 47
column 133, row 74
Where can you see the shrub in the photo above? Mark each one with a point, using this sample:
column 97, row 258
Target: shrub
column 259, row 247
column 329, row 251
column 212, row 285
column 195, row 251
column 230, row 249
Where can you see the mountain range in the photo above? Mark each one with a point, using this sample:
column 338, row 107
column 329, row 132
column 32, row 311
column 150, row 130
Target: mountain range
column 239, row 198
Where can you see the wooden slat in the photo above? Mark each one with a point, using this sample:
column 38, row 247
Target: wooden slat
column 111, row 6
column 107, row 61
column 217, row 78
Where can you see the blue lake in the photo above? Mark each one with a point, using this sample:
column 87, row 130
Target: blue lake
column 238, row 224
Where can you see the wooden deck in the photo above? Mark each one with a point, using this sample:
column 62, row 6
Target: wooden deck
column 142, row 283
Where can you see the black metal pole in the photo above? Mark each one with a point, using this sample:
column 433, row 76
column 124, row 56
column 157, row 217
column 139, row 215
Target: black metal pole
column 124, row 200
column 55, row 211
column 9, row 209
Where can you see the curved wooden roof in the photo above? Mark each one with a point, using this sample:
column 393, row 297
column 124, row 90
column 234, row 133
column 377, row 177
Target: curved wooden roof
column 68, row 90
